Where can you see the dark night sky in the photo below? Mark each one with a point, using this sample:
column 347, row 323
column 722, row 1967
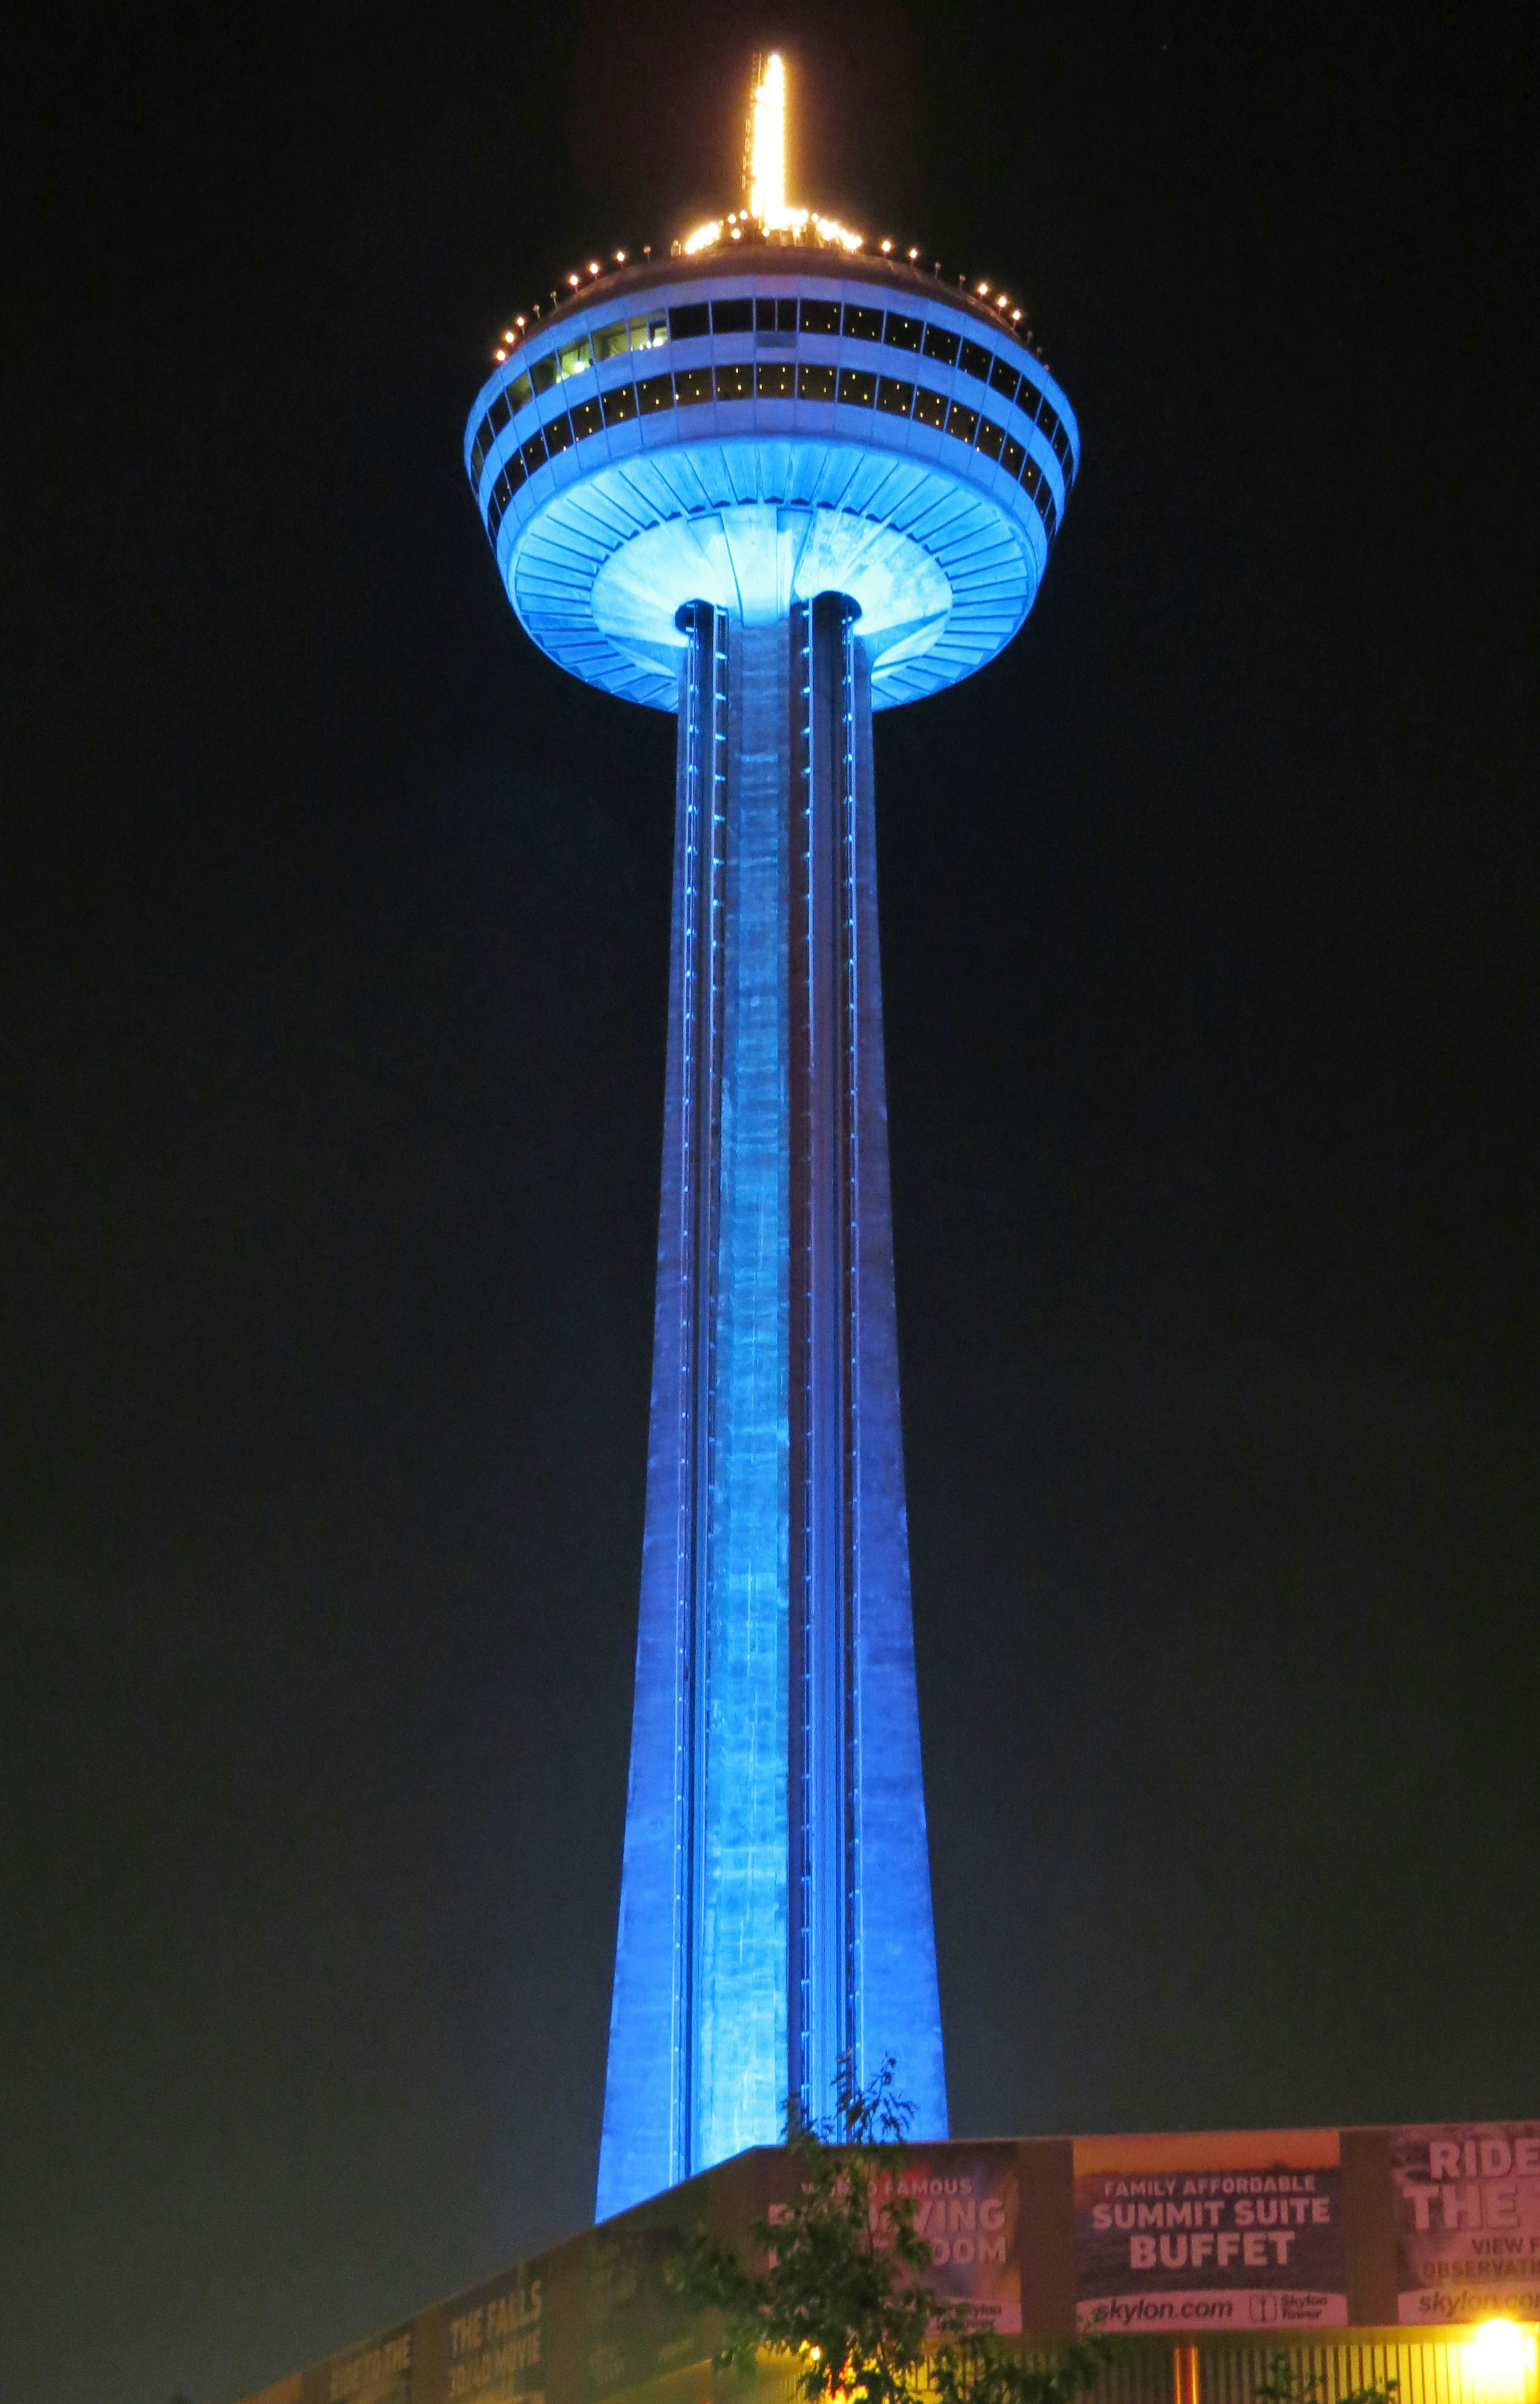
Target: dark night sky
column 334, row 934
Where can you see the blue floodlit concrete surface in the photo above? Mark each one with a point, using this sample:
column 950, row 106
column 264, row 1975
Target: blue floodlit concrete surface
column 644, row 2139
column 605, row 525
column 898, row 1997
column 739, row 2083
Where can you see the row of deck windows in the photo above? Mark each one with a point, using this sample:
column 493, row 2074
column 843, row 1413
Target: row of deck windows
column 772, row 380
column 781, row 319
column 859, row 324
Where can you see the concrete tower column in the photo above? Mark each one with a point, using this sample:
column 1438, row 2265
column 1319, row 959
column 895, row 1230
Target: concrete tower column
column 776, row 1898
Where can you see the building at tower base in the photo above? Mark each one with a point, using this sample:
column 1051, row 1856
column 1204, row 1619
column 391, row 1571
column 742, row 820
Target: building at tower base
column 1397, row 2259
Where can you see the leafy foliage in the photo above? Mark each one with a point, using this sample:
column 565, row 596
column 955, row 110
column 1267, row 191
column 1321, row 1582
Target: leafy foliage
column 978, row 2369
column 1285, row 2380
column 845, row 2289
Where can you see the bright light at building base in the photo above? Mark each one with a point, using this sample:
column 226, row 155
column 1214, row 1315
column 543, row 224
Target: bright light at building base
column 1503, row 2362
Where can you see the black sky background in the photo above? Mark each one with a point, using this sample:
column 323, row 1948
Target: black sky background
column 333, row 930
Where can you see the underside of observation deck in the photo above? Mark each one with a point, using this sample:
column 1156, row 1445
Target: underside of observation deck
column 759, row 432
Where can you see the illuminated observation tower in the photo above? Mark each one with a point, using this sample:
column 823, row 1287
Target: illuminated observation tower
column 773, row 485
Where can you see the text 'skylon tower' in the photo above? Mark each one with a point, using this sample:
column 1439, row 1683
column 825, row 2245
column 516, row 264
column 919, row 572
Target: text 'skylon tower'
column 773, row 486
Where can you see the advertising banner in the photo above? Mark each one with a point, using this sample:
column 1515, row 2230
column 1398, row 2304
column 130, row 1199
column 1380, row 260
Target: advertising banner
column 1467, row 2220
column 377, row 2372
column 636, row 2325
column 967, row 2209
column 1235, row 2231
column 494, row 2343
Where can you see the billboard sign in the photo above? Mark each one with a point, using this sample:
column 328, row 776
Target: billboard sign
column 377, row 2372
column 967, row 2209
column 1467, row 2220
column 636, row 2323
column 1233, row 2231
column 495, row 2344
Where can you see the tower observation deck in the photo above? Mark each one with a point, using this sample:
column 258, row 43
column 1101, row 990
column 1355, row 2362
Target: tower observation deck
column 773, row 486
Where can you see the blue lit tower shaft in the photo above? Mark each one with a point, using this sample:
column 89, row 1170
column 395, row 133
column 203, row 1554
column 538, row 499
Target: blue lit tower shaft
column 776, row 1907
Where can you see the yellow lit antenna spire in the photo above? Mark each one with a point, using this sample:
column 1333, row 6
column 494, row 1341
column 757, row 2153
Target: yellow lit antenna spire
column 767, row 145
column 765, row 206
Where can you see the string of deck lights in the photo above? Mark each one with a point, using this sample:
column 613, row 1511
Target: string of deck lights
column 767, row 219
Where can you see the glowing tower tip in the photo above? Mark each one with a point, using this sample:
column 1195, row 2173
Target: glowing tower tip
column 766, row 162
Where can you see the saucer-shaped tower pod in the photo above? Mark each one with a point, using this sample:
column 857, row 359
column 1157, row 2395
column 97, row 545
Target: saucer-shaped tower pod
column 772, row 488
